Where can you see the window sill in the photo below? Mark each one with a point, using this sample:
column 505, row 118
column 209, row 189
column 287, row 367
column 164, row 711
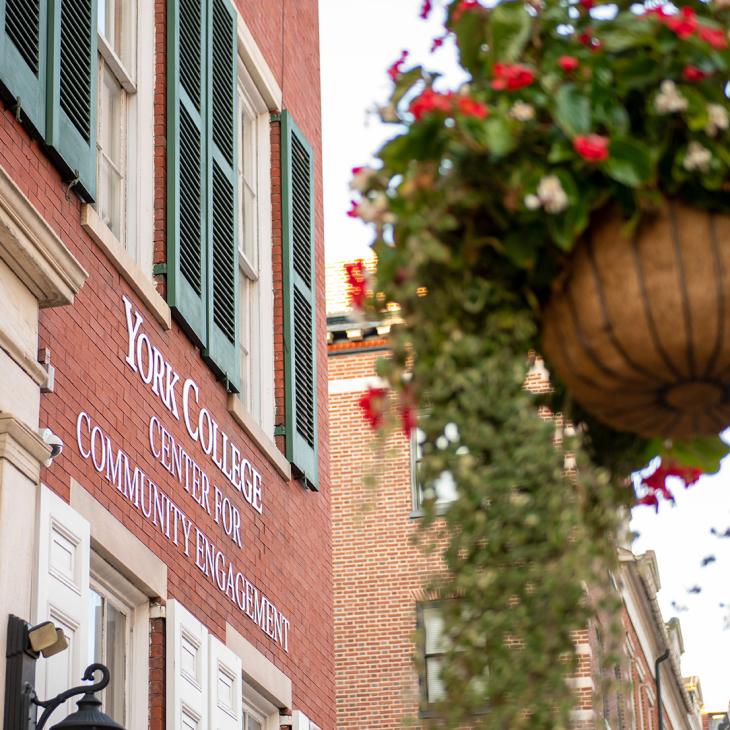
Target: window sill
column 267, row 446
column 438, row 511
column 141, row 283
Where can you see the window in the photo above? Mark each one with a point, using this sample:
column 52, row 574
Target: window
column 442, row 491
column 254, row 255
column 117, row 613
column 431, row 622
column 258, row 712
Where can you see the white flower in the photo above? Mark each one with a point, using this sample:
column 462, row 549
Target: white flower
column 669, row 100
column 551, row 194
column 718, row 119
column 375, row 210
column 361, row 180
column 697, row 157
column 532, row 202
column 522, row 112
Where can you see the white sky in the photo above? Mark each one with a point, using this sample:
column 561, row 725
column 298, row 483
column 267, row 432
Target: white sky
column 359, row 41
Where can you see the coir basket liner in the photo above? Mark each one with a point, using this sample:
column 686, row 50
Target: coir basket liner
column 639, row 328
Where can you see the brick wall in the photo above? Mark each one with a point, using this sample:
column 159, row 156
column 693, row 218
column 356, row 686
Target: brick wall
column 286, row 550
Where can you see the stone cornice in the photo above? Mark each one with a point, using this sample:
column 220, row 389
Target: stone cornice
column 22, row 446
column 33, row 251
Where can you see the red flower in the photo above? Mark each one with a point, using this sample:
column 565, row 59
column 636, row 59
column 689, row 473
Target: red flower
column 462, row 7
column 373, row 406
column 684, row 24
column 658, row 12
column 356, row 283
column 395, row 70
column 471, row 108
column 430, row 101
column 512, row 76
column 587, row 4
column 714, row 36
column 352, row 213
column 649, row 499
column 688, row 474
column 591, row 147
column 694, row 74
column 587, row 39
column 357, row 170
column 568, row 63
column 656, row 482
column 438, row 42
column 425, row 9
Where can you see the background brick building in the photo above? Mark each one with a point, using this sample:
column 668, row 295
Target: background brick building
column 379, row 574
column 162, row 280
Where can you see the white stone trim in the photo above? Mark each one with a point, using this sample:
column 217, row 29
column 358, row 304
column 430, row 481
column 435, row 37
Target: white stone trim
column 141, row 283
column 33, row 251
column 22, row 446
column 119, row 547
column 260, row 672
column 23, row 359
column 581, row 682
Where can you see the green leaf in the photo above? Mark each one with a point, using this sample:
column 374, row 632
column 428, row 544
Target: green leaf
column 509, row 25
column 471, row 35
column 704, row 452
column 572, row 110
column 498, row 136
column 628, row 162
column 522, row 246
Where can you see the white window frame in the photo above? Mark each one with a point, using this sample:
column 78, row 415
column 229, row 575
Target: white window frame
column 256, row 309
column 116, row 589
column 259, row 707
column 138, row 144
column 440, row 505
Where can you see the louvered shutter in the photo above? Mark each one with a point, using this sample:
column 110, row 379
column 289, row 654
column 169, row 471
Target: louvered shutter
column 72, row 72
column 62, row 594
column 187, row 275
column 222, row 349
column 186, row 670
column 297, row 165
column 225, row 690
column 23, row 57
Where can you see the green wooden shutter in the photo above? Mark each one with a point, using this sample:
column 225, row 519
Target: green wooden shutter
column 222, row 351
column 71, row 97
column 23, row 57
column 300, row 344
column 187, row 266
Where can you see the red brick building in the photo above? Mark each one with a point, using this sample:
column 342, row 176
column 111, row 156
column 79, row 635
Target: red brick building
column 164, row 485
column 379, row 574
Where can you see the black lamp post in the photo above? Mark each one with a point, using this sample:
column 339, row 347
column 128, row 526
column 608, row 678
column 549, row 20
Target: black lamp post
column 25, row 644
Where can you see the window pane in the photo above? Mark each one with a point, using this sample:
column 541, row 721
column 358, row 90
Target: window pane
column 434, row 686
column 445, row 488
column 111, row 24
column 110, row 116
column 109, row 195
column 116, row 660
column 96, row 618
column 433, row 624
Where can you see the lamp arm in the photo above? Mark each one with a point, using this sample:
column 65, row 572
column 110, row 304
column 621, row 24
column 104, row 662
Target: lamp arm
column 50, row 705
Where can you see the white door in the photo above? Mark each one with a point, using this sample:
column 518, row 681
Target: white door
column 225, row 687
column 62, row 595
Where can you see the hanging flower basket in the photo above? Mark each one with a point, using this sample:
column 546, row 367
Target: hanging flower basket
column 638, row 328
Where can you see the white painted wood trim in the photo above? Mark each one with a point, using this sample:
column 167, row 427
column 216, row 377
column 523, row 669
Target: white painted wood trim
column 257, row 67
column 355, row 385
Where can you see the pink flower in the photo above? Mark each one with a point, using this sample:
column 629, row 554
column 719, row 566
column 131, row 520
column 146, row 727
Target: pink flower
column 469, row 107
column 353, row 212
column 373, row 406
column 426, row 8
column 694, row 74
column 356, row 283
column 430, row 101
column 591, row 147
column 395, row 70
column 512, row 76
column 714, row 36
column 684, row 24
column 438, row 42
column 568, row 63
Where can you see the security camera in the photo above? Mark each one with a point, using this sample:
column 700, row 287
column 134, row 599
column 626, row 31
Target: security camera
column 54, row 442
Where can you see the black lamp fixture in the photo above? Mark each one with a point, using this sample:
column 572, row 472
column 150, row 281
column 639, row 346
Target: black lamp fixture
column 25, row 644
